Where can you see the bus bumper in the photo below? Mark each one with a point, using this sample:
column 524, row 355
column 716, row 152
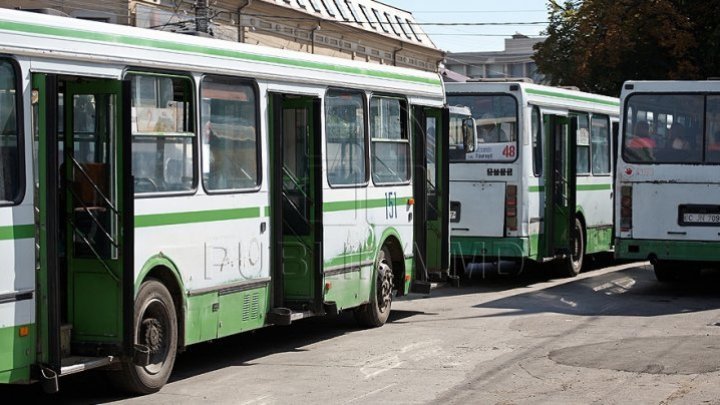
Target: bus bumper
column 489, row 248
column 644, row 249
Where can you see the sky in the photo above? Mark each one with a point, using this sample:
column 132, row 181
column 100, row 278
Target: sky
column 475, row 38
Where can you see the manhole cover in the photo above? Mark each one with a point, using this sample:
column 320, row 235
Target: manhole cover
column 656, row 355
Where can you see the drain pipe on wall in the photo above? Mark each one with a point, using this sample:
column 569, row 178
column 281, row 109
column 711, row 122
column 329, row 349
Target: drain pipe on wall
column 241, row 31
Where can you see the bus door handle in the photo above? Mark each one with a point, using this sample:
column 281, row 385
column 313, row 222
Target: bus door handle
column 676, row 233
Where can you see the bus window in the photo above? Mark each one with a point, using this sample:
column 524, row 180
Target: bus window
column 712, row 129
column 345, row 138
column 665, row 128
column 600, row 139
column 536, row 129
column 229, row 134
column 163, row 134
column 390, row 143
column 582, row 144
column 496, row 120
column 10, row 154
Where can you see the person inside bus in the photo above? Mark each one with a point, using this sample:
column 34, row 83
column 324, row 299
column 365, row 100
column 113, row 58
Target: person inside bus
column 641, row 146
column 489, row 131
column 679, row 148
column 713, row 148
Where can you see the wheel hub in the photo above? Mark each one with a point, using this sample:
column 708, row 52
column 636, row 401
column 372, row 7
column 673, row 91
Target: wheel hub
column 153, row 334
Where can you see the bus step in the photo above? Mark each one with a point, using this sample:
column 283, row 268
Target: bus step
column 76, row 364
column 285, row 316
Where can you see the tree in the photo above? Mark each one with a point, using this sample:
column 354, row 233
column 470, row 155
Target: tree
column 598, row 44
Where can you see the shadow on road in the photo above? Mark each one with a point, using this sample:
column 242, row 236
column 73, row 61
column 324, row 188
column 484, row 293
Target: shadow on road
column 630, row 292
column 234, row 351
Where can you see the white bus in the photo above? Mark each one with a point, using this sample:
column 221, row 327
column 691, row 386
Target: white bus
column 159, row 190
column 668, row 210
column 538, row 184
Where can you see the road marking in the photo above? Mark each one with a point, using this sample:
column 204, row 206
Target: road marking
column 256, row 400
column 371, row 393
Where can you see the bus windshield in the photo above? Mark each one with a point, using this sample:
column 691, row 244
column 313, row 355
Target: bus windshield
column 496, row 124
column 672, row 128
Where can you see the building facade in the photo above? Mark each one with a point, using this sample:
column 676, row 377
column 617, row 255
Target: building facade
column 515, row 61
column 366, row 30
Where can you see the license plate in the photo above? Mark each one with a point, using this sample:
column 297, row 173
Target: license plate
column 701, row 218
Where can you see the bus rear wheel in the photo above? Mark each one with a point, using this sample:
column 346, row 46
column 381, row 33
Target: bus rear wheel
column 155, row 328
column 376, row 312
column 572, row 264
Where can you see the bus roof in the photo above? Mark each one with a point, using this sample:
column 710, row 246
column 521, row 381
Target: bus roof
column 670, row 86
column 32, row 34
column 541, row 95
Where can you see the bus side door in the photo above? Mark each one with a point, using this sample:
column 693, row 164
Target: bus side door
column 560, row 183
column 431, row 190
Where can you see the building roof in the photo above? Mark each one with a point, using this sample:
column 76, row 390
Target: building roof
column 368, row 15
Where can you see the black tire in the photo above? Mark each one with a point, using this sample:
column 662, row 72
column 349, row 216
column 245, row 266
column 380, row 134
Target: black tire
column 155, row 328
column 376, row 312
column 572, row 265
column 675, row 271
column 664, row 272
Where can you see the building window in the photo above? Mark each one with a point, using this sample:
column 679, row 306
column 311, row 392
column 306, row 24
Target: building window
column 368, row 17
column 495, row 70
column 354, row 12
column 341, row 8
column 401, row 24
column 314, row 5
column 230, row 137
column 390, row 143
column 345, row 138
column 329, row 7
column 301, row 3
column 382, row 23
column 410, row 26
column 390, row 23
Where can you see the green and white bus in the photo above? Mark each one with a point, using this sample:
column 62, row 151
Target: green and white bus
column 158, row 190
column 538, row 184
column 668, row 210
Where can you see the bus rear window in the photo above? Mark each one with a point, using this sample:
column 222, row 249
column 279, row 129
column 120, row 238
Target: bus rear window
column 496, row 124
column 664, row 128
column 10, row 173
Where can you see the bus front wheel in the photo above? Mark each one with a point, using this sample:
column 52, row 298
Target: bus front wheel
column 376, row 312
column 155, row 328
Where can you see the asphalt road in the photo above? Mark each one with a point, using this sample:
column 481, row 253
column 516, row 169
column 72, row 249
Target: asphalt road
column 611, row 335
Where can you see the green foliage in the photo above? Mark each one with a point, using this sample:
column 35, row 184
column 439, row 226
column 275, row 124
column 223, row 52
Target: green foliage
column 598, row 44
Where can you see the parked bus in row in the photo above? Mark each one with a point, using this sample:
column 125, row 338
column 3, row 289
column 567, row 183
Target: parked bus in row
column 668, row 210
column 158, row 190
column 538, row 183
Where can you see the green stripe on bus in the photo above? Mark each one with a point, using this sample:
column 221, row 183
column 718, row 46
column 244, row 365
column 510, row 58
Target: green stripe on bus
column 17, row 232
column 579, row 187
column 572, row 97
column 176, row 218
column 360, row 204
column 204, row 50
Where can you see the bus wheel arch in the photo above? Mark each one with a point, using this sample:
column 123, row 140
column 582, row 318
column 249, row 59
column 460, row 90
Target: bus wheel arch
column 168, row 277
column 397, row 258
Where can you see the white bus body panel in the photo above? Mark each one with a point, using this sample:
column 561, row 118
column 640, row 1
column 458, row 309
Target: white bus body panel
column 482, row 211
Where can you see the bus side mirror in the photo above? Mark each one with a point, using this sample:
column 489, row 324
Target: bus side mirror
column 469, row 135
